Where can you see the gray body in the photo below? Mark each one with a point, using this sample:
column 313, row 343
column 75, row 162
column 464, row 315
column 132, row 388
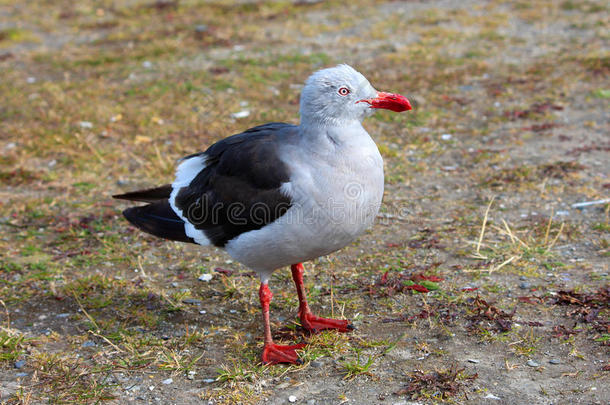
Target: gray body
column 336, row 186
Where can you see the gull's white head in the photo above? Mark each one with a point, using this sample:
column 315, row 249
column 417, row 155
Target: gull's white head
column 340, row 95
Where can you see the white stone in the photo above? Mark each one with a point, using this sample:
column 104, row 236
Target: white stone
column 240, row 114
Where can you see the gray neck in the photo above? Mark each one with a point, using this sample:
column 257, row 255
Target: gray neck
column 322, row 121
column 328, row 137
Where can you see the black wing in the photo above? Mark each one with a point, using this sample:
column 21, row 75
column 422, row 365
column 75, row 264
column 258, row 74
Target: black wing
column 158, row 219
column 149, row 195
column 239, row 188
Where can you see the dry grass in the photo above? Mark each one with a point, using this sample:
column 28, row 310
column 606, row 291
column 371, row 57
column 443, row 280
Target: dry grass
column 102, row 97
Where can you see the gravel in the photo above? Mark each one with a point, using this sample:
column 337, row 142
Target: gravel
column 532, row 363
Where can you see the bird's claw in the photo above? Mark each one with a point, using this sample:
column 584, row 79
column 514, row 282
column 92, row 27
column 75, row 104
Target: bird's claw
column 275, row 354
column 316, row 324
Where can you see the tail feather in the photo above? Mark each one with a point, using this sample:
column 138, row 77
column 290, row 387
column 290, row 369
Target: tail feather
column 149, row 195
column 158, row 219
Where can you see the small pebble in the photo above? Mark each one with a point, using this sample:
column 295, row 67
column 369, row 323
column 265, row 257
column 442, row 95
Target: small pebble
column 525, row 286
column 205, row 277
column 491, row 396
column 209, row 380
column 147, row 64
column 21, row 374
column 88, row 343
column 85, row 124
column 316, row 364
column 475, row 361
column 523, row 278
column 532, row 363
column 554, row 361
column 31, row 80
column 191, row 301
column 203, row 311
column 167, row 381
column 201, row 28
column 446, row 137
column 19, row 364
column 241, row 114
column 292, row 398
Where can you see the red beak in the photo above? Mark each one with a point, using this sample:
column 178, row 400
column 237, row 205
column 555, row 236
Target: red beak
column 388, row 101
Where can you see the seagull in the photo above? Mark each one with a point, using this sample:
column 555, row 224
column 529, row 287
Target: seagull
column 278, row 195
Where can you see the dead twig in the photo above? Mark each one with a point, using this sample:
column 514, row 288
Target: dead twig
column 478, row 254
column 8, row 316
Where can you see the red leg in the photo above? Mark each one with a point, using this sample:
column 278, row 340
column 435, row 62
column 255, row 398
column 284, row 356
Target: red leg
column 308, row 320
column 272, row 353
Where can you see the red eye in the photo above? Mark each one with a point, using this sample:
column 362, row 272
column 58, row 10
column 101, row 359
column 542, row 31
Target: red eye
column 344, row 91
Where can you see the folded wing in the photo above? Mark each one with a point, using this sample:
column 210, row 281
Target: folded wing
column 232, row 188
